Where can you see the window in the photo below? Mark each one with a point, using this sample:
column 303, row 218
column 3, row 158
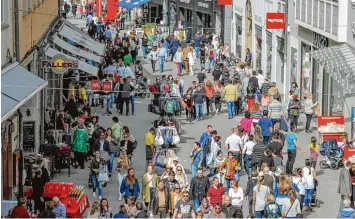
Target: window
column 315, row 13
column 335, row 21
column 298, row 3
column 303, row 11
column 4, row 13
column 279, row 7
column 26, row 6
column 309, row 11
column 328, row 17
column 321, row 15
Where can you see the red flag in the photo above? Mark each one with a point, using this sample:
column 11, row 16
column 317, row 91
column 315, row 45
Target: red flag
column 224, row 2
column 107, row 86
column 95, row 85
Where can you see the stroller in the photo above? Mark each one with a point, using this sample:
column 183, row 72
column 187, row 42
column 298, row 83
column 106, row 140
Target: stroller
column 333, row 155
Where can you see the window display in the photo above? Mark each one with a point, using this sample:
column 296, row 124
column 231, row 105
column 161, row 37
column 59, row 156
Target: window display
column 268, row 54
column 306, row 69
column 258, row 48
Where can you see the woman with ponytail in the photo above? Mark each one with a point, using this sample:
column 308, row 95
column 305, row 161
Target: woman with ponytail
column 291, row 207
column 281, row 189
column 313, row 149
column 260, row 193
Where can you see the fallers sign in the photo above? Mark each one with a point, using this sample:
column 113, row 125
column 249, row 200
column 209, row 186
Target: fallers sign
column 275, row 21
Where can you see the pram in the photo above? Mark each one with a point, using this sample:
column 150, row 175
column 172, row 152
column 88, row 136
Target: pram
column 333, row 155
column 157, row 105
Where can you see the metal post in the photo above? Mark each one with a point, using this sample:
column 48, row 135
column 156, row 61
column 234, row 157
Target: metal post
column 286, row 50
column 223, row 9
column 17, row 31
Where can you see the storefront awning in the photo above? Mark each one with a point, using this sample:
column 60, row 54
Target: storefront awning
column 83, row 66
column 131, row 4
column 339, row 62
column 17, row 87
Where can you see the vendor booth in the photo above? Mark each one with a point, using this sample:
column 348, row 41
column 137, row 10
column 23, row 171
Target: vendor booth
column 331, row 127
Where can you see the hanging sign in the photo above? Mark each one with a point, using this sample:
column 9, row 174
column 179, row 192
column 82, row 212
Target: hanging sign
column 95, row 85
column 107, row 86
column 59, row 64
column 275, row 21
column 224, row 2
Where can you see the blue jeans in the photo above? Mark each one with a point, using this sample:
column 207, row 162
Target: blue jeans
column 95, row 184
column 266, row 140
column 197, row 51
column 131, row 99
column 247, row 164
column 199, row 110
column 213, row 172
column 197, row 203
column 308, row 197
column 161, row 63
column 259, row 214
column 144, row 50
column 210, row 63
column 230, row 105
column 228, row 184
column 194, row 168
column 112, row 159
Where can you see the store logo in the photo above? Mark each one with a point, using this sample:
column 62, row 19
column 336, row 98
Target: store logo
column 320, row 41
column 202, row 5
column 275, row 21
column 59, row 64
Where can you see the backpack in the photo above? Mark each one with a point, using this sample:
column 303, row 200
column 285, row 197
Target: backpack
column 170, row 107
column 166, row 88
column 273, row 213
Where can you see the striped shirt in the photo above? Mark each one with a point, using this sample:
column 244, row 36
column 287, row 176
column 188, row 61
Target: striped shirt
column 265, row 87
column 275, row 109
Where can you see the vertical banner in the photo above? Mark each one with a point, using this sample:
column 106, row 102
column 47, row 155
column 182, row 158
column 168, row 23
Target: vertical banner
column 107, row 86
column 98, row 8
column 95, row 85
column 224, row 2
column 275, row 21
column 112, row 9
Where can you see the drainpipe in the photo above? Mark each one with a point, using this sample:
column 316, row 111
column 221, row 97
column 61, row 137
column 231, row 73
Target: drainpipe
column 17, row 31
column 20, row 167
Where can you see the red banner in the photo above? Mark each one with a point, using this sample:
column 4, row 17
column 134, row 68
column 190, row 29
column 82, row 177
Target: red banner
column 107, row 86
column 98, row 8
column 95, row 85
column 275, row 21
column 224, row 2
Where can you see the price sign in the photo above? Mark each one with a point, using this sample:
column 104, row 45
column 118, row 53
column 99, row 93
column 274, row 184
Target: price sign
column 95, row 85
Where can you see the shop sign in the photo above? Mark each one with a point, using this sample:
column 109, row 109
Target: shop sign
column 59, row 64
column 224, row 2
column 107, row 86
column 320, row 41
column 202, row 5
column 95, row 85
column 28, row 131
column 275, row 21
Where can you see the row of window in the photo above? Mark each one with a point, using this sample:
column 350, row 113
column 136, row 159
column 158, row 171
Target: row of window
column 29, row 5
column 322, row 14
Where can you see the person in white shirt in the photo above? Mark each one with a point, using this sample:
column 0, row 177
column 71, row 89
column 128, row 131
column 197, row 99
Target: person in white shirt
column 236, row 194
column 261, row 78
column 234, row 144
column 309, row 174
column 301, row 184
column 247, row 151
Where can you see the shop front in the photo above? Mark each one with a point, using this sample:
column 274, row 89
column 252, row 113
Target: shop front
column 258, row 46
column 268, row 54
column 238, row 33
column 203, row 11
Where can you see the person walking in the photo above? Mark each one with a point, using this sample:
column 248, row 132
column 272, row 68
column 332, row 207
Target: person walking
column 308, row 110
column 178, row 60
column 231, row 165
column 215, row 192
column 191, row 56
column 122, row 168
column 149, row 185
column 161, row 56
column 125, row 95
column 199, row 99
column 153, row 57
column 197, row 158
column 266, row 127
column 80, row 140
column 229, row 93
column 150, row 145
column 198, row 188
column 292, row 147
column 130, row 185
column 344, row 184
column 260, row 193
column 294, row 106
column 96, row 164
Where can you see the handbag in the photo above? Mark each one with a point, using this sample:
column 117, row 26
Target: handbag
column 316, row 110
column 103, row 176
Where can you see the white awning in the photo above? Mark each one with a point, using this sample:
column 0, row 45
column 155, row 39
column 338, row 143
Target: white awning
column 17, row 87
column 75, row 50
column 339, row 62
column 83, row 66
column 75, row 34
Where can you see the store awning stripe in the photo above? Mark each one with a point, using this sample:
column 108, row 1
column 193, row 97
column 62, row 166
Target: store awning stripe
column 18, row 86
column 131, row 4
column 83, row 66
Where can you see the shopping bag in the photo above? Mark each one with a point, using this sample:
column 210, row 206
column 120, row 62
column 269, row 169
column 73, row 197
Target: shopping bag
column 160, row 160
column 159, row 141
column 176, row 138
column 103, row 176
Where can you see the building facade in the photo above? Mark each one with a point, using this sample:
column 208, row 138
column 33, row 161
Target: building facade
column 248, row 30
column 324, row 29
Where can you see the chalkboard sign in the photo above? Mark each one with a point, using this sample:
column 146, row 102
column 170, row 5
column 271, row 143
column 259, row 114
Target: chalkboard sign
column 28, row 131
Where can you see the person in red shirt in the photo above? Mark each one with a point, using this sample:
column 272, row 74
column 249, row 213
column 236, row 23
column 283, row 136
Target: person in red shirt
column 215, row 192
column 20, row 211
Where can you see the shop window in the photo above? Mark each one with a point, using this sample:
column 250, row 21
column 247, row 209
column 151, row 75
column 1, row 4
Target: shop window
column 309, row 11
column 335, row 21
column 321, row 16
column 336, row 98
column 306, row 68
column 315, row 13
column 328, row 18
column 298, row 9
column 303, row 11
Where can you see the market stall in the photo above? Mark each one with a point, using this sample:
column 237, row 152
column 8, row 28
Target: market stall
column 331, row 127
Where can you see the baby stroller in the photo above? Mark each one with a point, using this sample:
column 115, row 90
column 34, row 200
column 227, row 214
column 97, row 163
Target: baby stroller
column 333, row 155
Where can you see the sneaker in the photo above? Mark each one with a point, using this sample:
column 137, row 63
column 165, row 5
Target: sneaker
column 120, row 198
column 109, row 175
column 94, row 194
column 100, row 197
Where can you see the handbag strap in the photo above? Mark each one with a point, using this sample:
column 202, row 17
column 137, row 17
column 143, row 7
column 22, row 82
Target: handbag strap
column 290, row 208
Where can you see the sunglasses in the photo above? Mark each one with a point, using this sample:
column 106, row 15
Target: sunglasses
column 185, row 195
column 179, row 170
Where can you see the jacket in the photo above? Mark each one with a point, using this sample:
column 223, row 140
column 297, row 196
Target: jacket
column 19, row 212
column 231, row 164
column 250, row 186
column 126, row 90
column 145, row 186
column 80, row 139
column 346, row 212
column 106, row 146
column 199, row 188
column 229, row 93
column 155, row 204
column 229, row 211
column 344, row 185
column 174, row 44
column 95, row 165
column 125, row 188
column 294, row 107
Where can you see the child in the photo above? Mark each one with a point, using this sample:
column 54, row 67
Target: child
column 313, row 149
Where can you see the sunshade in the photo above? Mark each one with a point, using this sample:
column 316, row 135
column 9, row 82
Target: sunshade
column 131, row 4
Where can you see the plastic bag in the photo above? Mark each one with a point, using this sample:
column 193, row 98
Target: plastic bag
column 159, row 141
column 176, row 139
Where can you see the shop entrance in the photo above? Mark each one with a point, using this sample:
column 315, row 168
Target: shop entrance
column 248, row 26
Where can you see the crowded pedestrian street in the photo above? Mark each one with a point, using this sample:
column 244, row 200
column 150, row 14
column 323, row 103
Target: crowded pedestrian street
column 140, row 122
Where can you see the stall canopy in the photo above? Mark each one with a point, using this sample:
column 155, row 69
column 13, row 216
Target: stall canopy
column 339, row 62
column 17, row 87
column 131, row 4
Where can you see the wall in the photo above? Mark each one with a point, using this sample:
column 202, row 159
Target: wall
column 33, row 23
column 350, row 39
column 228, row 17
column 6, row 33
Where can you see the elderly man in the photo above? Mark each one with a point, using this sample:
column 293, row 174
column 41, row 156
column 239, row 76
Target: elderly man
column 344, row 186
column 59, row 208
column 227, row 208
